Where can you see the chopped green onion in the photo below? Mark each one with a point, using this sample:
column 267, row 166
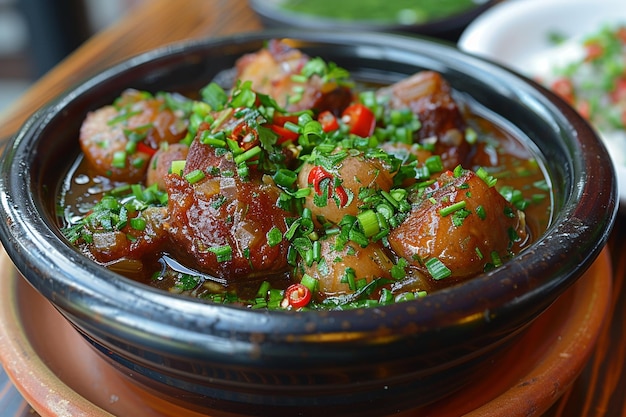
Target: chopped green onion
column 292, row 127
column 119, row 159
column 484, row 175
column 452, row 208
column 285, row 177
column 274, row 236
column 137, row 190
column 309, row 282
column 250, row 153
column 122, row 117
column 138, row 162
column 495, row 258
column 349, row 276
column 437, row 269
column 138, row 223
column 263, row 289
column 369, row 223
column 480, row 211
column 194, row 176
column 434, row 164
column 386, row 296
column 223, row 253
column 471, row 136
column 177, row 167
column 217, row 140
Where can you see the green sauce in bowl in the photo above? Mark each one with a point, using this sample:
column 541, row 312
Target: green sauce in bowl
column 406, row 12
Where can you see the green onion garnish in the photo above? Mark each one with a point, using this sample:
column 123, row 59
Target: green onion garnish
column 194, row 176
column 138, row 223
column 223, row 253
column 119, row 159
column 434, row 164
column 274, row 236
column 452, row 208
column 437, row 269
column 489, row 179
column 250, row 153
column 369, row 223
column 178, row 167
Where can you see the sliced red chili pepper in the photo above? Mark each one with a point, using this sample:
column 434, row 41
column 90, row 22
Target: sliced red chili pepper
column 284, row 134
column 316, row 176
column 297, row 295
column 328, row 121
column 143, row 148
column 341, row 194
column 319, row 174
column 278, row 126
column 360, row 119
column 281, row 119
column 246, row 136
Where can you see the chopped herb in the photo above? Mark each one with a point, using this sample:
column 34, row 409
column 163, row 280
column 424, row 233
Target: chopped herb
column 274, row 236
column 194, row 176
column 484, row 175
column 119, row 159
column 480, row 211
column 223, row 253
column 437, row 269
column 138, row 223
column 452, row 208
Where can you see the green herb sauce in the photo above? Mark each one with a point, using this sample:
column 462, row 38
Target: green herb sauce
column 396, row 11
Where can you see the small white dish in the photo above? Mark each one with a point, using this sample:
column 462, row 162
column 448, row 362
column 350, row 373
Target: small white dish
column 516, row 33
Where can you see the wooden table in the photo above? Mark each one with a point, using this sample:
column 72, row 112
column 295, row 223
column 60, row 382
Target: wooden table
column 601, row 388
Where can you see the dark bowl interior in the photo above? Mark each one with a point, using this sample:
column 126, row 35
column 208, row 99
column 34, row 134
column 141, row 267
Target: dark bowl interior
column 449, row 28
column 367, row 361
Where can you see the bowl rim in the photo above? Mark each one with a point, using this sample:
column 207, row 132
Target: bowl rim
column 36, row 248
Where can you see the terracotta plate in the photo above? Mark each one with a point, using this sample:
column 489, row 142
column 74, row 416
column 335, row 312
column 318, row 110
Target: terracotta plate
column 59, row 373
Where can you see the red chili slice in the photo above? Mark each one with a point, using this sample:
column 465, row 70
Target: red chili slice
column 328, row 121
column 245, row 136
column 278, row 126
column 143, row 148
column 319, row 174
column 297, row 295
column 284, row 134
column 341, row 194
column 360, row 119
column 316, row 176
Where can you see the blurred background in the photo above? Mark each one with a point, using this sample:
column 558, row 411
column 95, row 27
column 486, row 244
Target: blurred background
column 63, row 24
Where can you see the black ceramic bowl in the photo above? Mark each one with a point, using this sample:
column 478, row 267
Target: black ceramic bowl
column 365, row 362
column 444, row 26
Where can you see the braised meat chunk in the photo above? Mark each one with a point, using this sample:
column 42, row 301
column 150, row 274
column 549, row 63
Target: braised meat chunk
column 119, row 140
column 293, row 79
column 429, row 96
column 462, row 223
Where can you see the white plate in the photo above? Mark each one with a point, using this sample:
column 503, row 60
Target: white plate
column 516, row 33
